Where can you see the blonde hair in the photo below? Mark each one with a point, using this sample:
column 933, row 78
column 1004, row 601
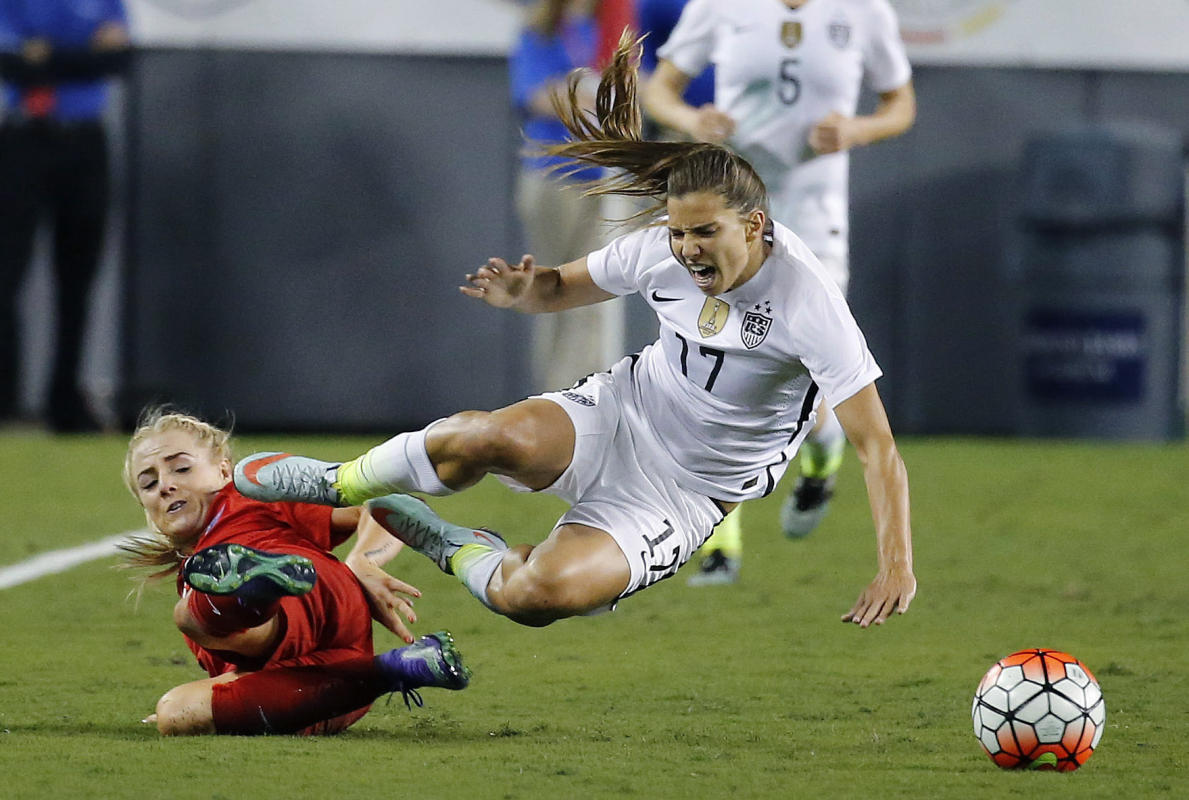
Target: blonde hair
column 613, row 138
column 154, row 548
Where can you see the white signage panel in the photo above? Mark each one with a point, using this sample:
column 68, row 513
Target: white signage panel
column 462, row 27
column 1093, row 34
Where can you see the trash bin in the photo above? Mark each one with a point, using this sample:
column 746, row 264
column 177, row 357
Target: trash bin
column 1099, row 284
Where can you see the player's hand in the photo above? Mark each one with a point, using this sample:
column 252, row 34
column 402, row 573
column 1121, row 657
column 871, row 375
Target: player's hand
column 833, row 134
column 500, row 284
column 712, row 125
column 389, row 597
column 890, row 591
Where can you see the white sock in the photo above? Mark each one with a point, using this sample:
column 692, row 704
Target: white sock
column 400, row 464
column 473, row 565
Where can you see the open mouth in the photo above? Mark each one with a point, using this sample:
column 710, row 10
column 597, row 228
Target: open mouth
column 175, row 506
column 703, row 276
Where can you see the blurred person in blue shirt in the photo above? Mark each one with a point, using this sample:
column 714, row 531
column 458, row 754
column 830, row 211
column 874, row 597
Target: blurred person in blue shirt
column 56, row 57
column 559, row 224
column 657, row 18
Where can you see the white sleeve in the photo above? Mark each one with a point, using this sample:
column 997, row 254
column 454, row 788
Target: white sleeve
column 692, row 40
column 835, row 352
column 615, row 268
column 885, row 64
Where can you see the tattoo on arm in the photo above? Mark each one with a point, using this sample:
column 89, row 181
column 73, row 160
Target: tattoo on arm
column 376, row 551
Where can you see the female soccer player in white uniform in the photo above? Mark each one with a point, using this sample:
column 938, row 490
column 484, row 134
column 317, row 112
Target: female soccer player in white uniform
column 787, row 81
column 652, row 454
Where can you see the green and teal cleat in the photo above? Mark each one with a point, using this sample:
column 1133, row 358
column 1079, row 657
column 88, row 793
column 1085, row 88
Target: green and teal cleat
column 416, row 524
column 282, row 477
column 248, row 573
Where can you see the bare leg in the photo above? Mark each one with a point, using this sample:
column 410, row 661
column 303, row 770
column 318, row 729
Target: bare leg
column 311, row 699
column 186, row 710
column 255, row 642
column 531, row 441
column 576, row 570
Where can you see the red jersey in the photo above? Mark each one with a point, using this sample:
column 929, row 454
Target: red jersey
column 330, row 622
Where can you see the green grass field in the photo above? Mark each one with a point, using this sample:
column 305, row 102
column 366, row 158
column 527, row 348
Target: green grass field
column 749, row 691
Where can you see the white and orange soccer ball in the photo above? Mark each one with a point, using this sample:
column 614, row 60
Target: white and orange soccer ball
column 1039, row 709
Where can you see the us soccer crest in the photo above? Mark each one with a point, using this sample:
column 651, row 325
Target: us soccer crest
column 790, row 34
column 756, row 324
column 713, row 317
column 840, row 33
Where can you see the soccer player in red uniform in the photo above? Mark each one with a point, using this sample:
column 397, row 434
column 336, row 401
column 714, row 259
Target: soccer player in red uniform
column 282, row 627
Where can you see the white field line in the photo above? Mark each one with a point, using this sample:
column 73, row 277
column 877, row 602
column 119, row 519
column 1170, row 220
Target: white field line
column 56, row 561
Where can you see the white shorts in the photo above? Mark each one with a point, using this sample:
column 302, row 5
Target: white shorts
column 619, row 481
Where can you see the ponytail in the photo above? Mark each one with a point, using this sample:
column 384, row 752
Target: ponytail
column 613, row 138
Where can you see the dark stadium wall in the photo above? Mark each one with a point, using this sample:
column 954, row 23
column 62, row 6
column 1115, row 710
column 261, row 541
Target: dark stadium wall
column 934, row 230
column 299, row 223
column 299, row 226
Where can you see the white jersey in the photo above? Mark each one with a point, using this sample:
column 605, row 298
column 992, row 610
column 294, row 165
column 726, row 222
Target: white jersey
column 731, row 387
column 778, row 72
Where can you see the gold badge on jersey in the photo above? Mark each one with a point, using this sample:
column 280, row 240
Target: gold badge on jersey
column 713, row 317
column 790, row 34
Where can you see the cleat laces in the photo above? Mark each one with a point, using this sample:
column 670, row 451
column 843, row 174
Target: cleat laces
column 407, row 694
column 301, row 481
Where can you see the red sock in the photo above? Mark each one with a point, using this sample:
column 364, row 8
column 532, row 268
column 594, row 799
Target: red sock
column 225, row 614
column 309, row 699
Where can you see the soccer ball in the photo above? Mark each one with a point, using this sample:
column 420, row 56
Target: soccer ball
column 1040, row 709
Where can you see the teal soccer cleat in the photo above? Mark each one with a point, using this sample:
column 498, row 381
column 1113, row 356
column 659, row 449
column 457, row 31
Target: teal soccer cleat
column 249, row 574
column 281, row 477
column 415, row 524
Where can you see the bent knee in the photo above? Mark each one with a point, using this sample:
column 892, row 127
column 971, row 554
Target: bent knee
column 533, row 598
column 185, row 711
column 486, row 439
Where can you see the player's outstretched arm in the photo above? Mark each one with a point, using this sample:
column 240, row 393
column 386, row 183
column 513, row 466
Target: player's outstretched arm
column 390, row 598
column 866, row 425
column 534, row 289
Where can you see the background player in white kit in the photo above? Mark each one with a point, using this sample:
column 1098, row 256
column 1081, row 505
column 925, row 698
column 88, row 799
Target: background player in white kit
column 788, row 76
column 653, row 453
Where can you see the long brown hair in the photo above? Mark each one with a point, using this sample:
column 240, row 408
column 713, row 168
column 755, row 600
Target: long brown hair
column 154, row 548
column 613, row 138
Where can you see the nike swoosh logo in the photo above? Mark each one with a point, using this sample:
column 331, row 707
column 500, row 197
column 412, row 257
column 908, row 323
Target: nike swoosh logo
column 254, row 468
column 658, row 298
column 484, row 537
